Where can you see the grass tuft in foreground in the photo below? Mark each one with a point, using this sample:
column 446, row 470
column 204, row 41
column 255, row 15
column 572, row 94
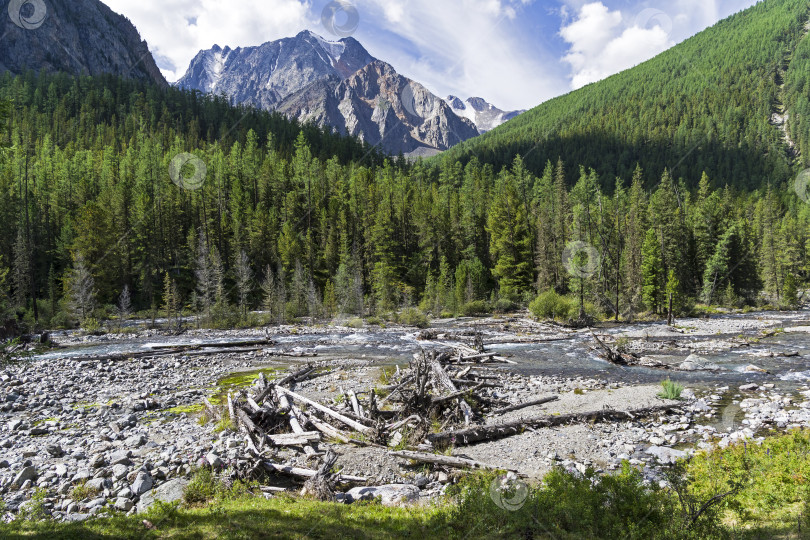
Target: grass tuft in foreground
column 746, row 491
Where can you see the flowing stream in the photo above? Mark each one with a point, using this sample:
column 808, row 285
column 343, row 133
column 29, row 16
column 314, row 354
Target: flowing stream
column 562, row 353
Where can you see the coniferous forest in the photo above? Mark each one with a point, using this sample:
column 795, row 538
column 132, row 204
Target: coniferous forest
column 299, row 222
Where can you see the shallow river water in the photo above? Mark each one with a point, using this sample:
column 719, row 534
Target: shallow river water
column 565, row 354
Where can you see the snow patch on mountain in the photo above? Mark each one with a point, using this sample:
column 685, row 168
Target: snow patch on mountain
column 480, row 112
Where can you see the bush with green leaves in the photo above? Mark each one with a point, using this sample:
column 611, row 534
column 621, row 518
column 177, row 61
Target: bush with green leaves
column 552, row 306
column 476, row 308
column 413, row 317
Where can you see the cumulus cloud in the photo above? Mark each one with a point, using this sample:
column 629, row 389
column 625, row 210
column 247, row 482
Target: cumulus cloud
column 466, row 48
column 178, row 29
column 602, row 41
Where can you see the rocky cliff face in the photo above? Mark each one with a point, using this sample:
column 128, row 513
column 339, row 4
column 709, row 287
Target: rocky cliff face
column 483, row 114
column 264, row 75
column 76, row 36
column 332, row 83
column 382, row 108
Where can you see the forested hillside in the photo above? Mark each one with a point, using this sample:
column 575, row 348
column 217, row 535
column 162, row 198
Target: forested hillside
column 301, row 222
column 703, row 106
column 89, row 209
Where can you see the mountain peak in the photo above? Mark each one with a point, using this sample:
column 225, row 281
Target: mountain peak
column 264, row 75
column 480, row 112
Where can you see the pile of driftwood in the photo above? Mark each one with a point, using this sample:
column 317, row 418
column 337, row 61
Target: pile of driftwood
column 440, row 400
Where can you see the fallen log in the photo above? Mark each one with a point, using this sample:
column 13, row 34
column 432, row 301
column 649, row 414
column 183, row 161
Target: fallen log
column 448, row 461
column 477, row 383
column 295, row 439
column 440, row 375
column 395, row 426
column 327, row 429
column 291, row 377
column 308, row 473
column 476, row 357
column 228, row 345
column 295, row 424
column 612, row 356
column 211, row 409
column 507, row 429
column 326, row 410
column 459, row 393
column 524, row 405
column 358, row 410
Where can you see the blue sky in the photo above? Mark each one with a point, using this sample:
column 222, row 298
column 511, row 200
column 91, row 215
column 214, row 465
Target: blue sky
column 513, row 53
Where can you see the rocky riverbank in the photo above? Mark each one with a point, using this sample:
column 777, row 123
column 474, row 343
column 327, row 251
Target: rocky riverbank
column 83, row 434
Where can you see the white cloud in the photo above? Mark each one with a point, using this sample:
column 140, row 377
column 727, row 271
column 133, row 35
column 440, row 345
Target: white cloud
column 464, row 47
column 177, row 30
column 603, row 43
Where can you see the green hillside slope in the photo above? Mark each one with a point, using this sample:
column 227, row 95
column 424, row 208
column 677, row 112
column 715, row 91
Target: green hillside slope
column 704, row 105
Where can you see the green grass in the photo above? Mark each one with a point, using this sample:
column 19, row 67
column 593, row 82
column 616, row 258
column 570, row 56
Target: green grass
column 768, row 485
column 235, row 381
column 670, row 390
column 188, row 409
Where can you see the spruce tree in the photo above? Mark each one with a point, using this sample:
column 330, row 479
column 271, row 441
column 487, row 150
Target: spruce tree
column 652, row 272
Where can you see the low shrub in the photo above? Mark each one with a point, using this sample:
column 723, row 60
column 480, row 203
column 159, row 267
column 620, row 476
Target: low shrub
column 552, row 306
column 413, row 317
column 476, row 308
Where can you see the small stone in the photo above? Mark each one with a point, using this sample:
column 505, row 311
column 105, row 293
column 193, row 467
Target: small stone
column 120, row 458
column 27, row 474
column 98, row 484
column 81, row 476
column 169, row 492
column 123, row 504
column 55, row 450
column 143, row 483
column 136, row 441
column 97, row 461
column 214, row 460
column 749, row 388
column 95, row 503
column 119, row 471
